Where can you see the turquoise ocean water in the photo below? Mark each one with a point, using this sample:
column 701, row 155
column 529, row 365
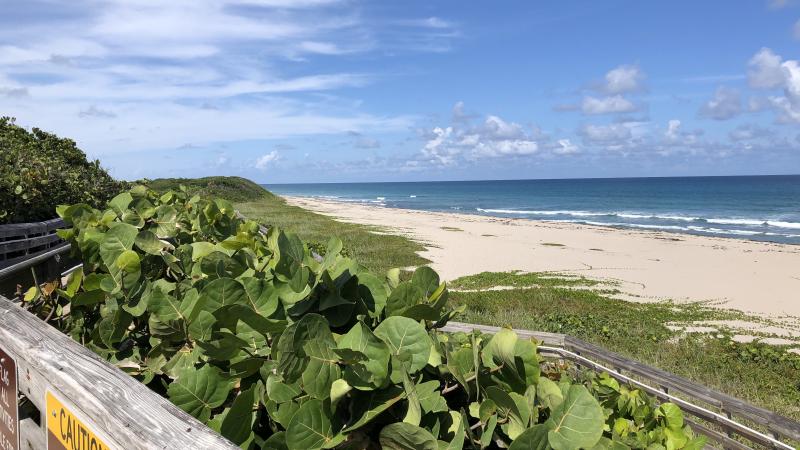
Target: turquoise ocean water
column 765, row 208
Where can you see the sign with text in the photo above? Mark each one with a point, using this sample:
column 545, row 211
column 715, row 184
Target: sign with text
column 66, row 431
column 9, row 404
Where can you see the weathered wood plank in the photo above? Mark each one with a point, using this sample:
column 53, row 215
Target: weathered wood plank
column 30, row 228
column 542, row 336
column 125, row 410
column 25, row 244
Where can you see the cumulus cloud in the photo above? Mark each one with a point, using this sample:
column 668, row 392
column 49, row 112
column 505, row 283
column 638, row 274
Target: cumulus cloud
column 618, row 82
column 623, row 79
column 768, row 70
column 607, row 105
column 764, row 70
column 615, row 133
column 748, row 132
column 264, row 161
column 565, row 147
column 468, row 140
column 673, row 130
column 725, row 104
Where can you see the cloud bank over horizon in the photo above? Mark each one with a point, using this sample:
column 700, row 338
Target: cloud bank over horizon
column 347, row 90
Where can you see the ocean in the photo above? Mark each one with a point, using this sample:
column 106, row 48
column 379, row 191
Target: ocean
column 764, row 208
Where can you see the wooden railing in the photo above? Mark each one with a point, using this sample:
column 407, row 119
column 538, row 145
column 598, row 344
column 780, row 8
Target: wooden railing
column 68, row 395
column 718, row 416
column 23, row 241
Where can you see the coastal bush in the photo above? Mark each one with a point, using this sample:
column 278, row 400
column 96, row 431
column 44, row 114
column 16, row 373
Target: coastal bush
column 39, row 170
column 276, row 349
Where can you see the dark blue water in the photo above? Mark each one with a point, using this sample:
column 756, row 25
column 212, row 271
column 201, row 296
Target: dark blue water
column 764, row 208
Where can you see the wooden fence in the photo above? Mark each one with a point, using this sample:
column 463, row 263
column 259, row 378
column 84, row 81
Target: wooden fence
column 70, row 396
column 23, row 241
column 707, row 410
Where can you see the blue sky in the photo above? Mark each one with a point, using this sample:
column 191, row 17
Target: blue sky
column 344, row 90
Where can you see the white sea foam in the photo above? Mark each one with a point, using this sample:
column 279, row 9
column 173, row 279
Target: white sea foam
column 412, row 196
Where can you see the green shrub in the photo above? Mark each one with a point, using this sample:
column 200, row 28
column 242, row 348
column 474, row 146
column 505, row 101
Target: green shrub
column 277, row 349
column 234, row 189
column 39, row 170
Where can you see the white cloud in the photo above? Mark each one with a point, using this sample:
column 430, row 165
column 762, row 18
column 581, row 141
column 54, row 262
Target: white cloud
column 263, row 162
column 465, row 140
column 673, row 130
column 764, row 70
column 607, row 105
column 615, row 133
column 726, row 104
column 623, row 79
column 768, row 70
column 565, row 147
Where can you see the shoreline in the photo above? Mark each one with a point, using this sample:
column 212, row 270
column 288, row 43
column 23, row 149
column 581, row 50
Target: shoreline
column 751, row 276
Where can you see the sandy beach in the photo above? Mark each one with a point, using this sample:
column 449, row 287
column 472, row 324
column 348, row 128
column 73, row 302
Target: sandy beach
column 756, row 277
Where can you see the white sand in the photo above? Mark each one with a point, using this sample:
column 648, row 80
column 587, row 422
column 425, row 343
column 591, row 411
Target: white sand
column 761, row 278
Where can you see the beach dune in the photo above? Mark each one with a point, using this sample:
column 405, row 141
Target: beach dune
column 757, row 277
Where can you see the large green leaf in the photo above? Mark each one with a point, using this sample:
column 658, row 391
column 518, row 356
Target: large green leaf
column 292, row 356
column 405, row 436
column 221, row 292
column 577, row 422
column 310, row 428
column 369, row 405
column 373, row 371
column 407, row 340
column 199, row 391
column 238, row 423
column 534, row 438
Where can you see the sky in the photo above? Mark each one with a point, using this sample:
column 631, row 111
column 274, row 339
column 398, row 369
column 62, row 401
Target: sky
column 291, row 91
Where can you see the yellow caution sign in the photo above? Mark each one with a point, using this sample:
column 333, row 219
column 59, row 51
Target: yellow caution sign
column 65, row 431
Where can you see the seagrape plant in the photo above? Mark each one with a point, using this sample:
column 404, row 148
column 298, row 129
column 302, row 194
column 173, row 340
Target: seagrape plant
column 277, row 347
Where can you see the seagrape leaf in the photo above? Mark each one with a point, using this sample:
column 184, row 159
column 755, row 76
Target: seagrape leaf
column 199, row 391
column 402, row 298
column 429, row 397
column 407, row 340
column 322, row 369
column 577, row 422
column 164, row 219
column 237, row 426
column 548, row 393
column 672, row 415
column 220, row 292
column 371, row 373
column 458, row 431
column 292, row 357
column 120, row 203
column 280, row 392
column 426, row 280
column 404, row 436
column 509, row 408
column 148, row 242
column 534, row 438
column 369, row 405
column 372, row 293
column 310, row 428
